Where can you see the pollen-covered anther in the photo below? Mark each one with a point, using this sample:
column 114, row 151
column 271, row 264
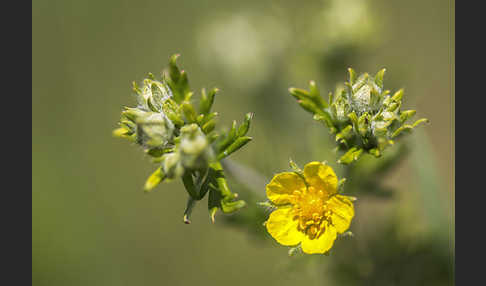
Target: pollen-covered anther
column 309, row 222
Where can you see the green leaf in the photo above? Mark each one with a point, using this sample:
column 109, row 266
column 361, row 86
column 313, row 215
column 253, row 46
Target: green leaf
column 230, row 137
column 237, row 144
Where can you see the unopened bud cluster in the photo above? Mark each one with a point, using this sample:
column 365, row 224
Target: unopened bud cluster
column 181, row 138
column 363, row 116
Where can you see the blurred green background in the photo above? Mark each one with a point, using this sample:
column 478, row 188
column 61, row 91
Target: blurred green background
column 93, row 225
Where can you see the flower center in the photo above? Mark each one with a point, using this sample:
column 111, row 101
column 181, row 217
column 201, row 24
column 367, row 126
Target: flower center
column 310, row 209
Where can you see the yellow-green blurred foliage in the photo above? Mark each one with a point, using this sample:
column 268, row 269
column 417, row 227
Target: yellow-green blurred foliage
column 92, row 224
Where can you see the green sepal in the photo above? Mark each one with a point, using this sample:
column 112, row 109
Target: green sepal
column 294, row 250
column 404, row 128
column 352, row 76
column 405, row 115
column 267, row 204
column 362, row 80
column 325, row 117
column 340, row 185
column 229, row 205
column 209, row 126
column 312, row 100
column 407, row 128
column 189, row 112
column 136, row 88
column 375, row 152
column 184, row 84
column 379, row 78
column 398, row 95
column 208, row 117
column 354, row 120
column 189, row 185
column 344, row 134
column 207, row 100
column 212, row 136
column 295, row 167
column 364, row 122
column 158, row 152
column 299, row 93
column 353, row 154
column 220, row 197
column 177, row 81
column 132, row 113
column 309, row 106
column 189, row 207
column 154, row 180
column 316, row 96
column 174, row 71
column 423, row 120
column 237, row 144
column 245, row 126
column 152, row 106
column 120, row 132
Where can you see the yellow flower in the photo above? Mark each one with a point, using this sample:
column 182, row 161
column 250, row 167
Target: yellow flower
column 309, row 209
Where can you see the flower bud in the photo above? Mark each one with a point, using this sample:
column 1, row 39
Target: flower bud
column 194, row 147
column 363, row 115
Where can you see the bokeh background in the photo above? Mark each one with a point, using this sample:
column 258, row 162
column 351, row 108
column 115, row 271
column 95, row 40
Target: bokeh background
column 93, row 225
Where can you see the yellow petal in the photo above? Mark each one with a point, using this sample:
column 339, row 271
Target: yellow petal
column 283, row 228
column 321, row 244
column 283, row 185
column 321, row 177
column 342, row 212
